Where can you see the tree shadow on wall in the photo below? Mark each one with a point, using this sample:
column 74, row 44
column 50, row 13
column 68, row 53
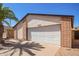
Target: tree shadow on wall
column 26, row 47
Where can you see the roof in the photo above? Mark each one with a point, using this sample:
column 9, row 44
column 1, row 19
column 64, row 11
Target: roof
column 41, row 14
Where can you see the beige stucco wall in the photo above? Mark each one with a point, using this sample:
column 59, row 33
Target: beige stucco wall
column 5, row 34
column 20, row 33
column 15, row 34
column 39, row 20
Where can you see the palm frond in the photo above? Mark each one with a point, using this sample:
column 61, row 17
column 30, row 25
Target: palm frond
column 8, row 13
column 1, row 12
column 6, row 23
column 1, row 19
column 1, row 6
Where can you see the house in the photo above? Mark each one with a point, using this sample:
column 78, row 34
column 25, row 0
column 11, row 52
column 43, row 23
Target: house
column 45, row 28
column 8, row 32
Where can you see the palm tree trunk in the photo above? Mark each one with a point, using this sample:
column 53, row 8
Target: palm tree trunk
column 1, row 33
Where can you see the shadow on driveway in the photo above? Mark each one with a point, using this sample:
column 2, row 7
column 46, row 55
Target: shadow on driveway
column 26, row 47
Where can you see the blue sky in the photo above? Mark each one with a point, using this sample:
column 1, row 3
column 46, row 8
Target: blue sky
column 21, row 9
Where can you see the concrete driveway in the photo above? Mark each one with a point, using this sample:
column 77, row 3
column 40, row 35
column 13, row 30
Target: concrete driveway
column 16, row 48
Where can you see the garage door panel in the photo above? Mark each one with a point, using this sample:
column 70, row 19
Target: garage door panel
column 47, row 37
column 49, row 34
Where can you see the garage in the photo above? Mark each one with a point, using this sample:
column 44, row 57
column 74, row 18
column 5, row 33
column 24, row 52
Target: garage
column 46, row 34
column 45, row 28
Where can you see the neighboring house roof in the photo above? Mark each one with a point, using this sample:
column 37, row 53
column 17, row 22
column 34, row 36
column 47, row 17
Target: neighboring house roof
column 41, row 14
column 76, row 28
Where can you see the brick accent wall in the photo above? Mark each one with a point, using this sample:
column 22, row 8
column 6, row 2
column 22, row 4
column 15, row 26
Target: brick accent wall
column 10, row 33
column 25, row 29
column 22, row 24
column 15, row 34
column 66, row 32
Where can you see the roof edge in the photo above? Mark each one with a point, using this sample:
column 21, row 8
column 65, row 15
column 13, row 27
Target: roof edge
column 41, row 14
column 49, row 14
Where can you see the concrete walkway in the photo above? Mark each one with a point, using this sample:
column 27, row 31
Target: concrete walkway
column 16, row 48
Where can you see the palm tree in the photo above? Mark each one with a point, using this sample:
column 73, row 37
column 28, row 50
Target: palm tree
column 5, row 13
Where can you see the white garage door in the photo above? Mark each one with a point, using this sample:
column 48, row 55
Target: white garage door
column 48, row 34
